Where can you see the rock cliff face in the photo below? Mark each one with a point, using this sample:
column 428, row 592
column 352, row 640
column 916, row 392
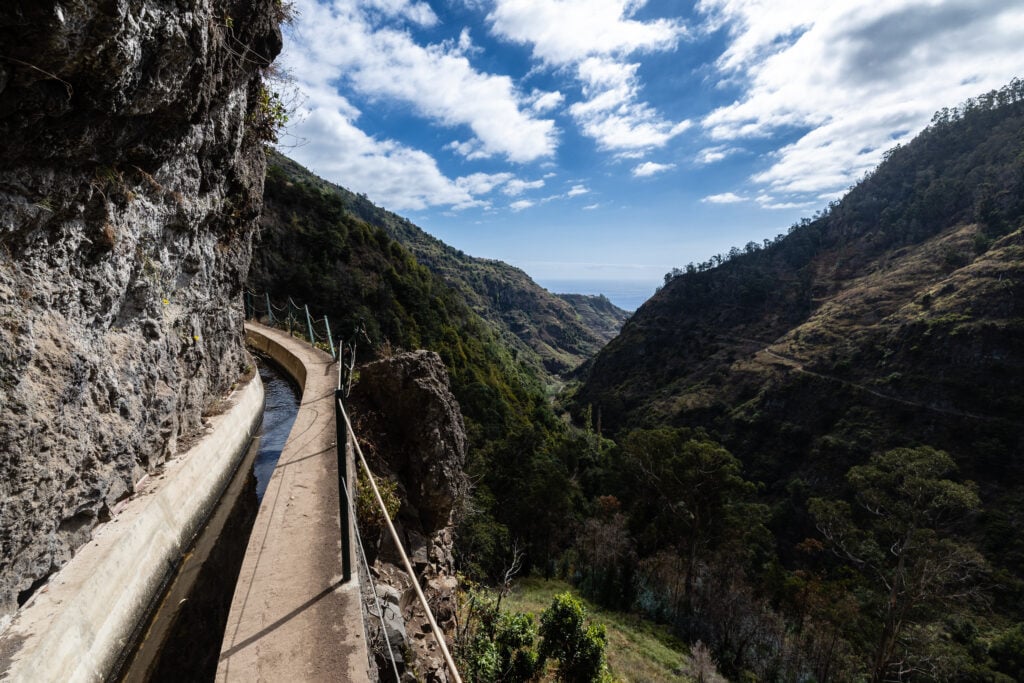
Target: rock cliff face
column 414, row 436
column 131, row 175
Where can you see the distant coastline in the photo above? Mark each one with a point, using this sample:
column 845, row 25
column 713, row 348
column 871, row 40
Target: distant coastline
column 626, row 294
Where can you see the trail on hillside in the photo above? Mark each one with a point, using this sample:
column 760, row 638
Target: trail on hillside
column 798, row 366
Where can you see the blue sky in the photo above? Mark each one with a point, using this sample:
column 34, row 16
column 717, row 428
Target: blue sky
column 615, row 139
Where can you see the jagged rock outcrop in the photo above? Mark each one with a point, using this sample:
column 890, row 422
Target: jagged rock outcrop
column 131, row 176
column 420, row 435
column 414, row 435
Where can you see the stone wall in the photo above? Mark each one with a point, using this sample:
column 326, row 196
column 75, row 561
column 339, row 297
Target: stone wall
column 130, row 183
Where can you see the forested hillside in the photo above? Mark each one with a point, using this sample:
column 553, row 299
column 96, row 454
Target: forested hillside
column 543, row 330
column 819, row 466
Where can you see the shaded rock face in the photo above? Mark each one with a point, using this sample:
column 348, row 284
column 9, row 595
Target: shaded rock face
column 130, row 183
column 414, row 435
column 418, row 429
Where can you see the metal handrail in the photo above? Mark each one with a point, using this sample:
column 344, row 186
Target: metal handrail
column 438, row 634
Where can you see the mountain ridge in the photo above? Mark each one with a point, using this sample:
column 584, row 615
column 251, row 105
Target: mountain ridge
column 769, row 293
column 551, row 331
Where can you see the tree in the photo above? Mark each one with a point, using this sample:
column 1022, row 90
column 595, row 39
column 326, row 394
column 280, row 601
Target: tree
column 698, row 486
column 579, row 649
column 898, row 537
column 1007, row 652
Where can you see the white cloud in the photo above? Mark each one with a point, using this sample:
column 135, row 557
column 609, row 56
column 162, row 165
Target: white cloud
column 724, row 198
column 516, row 187
column 398, row 176
column 649, row 168
column 853, row 78
column 471, row 149
column 542, row 102
column 766, row 201
column 564, row 32
column 518, row 206
column 710, row 155
column 594, row 37
column 347, row 42
column 482, row 183
column 591, row 207
column 612, row 114
column 577, row 190
column 416, row 12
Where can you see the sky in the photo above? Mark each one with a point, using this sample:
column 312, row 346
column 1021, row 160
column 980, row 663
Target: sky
column 612, row 140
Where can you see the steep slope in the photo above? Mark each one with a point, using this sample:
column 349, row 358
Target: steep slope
column 522, row 459
column 894, row 319
column 131, row 178
column 916, row 268
column 598, row 313
column 547, row 330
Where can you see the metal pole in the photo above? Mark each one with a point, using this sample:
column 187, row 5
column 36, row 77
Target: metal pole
column 329, row 340
column 309, row 324
column 270, row 310
column 346, row 542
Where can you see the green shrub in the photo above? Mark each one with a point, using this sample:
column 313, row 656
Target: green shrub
column 578, row 649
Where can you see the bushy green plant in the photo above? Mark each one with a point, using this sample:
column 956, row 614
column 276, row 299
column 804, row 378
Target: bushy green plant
column 268, row 115
column 1007, row 652
column 493, row 645
column 368, row 513
column 578, row 648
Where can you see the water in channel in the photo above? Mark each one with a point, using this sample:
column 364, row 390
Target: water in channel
column 181, row 641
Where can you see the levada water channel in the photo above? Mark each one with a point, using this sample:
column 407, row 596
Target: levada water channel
column 181, row 641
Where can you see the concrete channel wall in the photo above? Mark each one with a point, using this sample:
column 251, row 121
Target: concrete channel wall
column 292, row 618
column 76, row 627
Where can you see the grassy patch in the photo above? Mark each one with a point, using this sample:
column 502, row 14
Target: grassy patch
column 638, row 649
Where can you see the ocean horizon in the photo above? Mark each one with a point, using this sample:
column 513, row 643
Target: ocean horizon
column 626, row 294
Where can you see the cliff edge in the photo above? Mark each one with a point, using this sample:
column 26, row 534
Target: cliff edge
column 131, row 177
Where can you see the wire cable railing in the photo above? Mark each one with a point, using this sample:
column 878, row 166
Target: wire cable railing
column 373, row 589
column 291, row 317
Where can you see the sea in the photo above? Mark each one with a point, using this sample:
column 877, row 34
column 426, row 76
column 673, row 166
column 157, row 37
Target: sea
column 626, row 294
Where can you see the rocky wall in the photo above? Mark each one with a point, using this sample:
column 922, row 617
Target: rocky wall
column 131, row 175
column 411, row 428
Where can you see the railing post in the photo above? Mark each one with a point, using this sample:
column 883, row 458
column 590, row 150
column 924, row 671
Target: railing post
column 248, row 306
column 329, row 340
column 309, row 325
column 343, row 490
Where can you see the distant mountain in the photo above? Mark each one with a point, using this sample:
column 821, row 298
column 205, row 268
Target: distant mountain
column 547, row 331
column 894, row 319
column 598, row 313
